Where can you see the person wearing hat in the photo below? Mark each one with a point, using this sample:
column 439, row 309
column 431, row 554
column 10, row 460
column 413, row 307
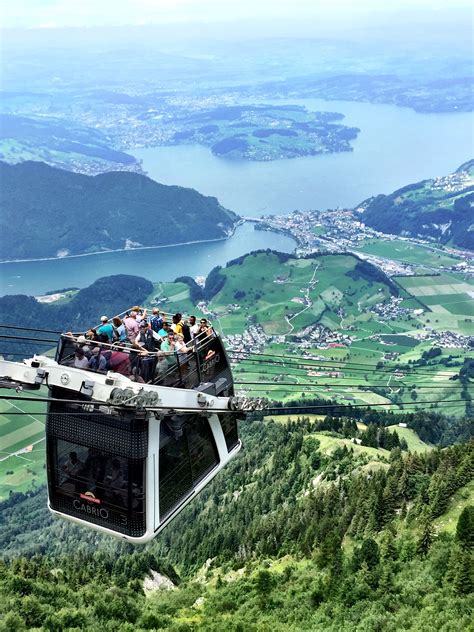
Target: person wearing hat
column 145, row 341
column 106, row 328
column 147, row 338
column 81, row 344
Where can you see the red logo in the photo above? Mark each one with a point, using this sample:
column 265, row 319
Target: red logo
column 90, row 497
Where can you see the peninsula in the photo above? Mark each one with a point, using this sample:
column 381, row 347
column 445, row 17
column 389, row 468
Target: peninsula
column 48, row 212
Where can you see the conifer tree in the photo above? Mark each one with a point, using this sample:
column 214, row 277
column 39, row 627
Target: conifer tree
column 426, row 535
column 465, row 529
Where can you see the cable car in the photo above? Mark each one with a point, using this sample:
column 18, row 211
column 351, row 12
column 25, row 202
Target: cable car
column 125, row 456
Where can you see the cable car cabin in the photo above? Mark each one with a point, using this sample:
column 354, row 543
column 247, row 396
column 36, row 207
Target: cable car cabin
column 130, row 471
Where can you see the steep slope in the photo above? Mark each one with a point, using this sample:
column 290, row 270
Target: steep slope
column 47, row 212
column 289, row 537
column 439, row 209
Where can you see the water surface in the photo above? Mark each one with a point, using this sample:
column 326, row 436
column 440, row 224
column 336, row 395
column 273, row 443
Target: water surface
column 156, row 264
column 396, row 146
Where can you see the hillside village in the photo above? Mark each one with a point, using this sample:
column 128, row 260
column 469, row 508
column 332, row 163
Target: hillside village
column 342, row 231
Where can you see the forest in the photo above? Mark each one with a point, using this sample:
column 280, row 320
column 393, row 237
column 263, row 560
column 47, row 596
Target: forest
column 288, row 537
column 108, row 295
column 49, row 212
column 421, row 209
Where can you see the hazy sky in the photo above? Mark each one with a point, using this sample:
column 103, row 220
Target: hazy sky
column 86, row 13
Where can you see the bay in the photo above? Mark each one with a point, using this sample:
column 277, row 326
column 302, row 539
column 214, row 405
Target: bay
column 155, row 264
column 395, row 147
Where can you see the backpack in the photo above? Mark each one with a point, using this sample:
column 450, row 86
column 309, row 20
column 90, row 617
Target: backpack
column 186, row 332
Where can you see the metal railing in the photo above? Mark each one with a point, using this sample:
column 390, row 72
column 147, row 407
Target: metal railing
column 196, row 363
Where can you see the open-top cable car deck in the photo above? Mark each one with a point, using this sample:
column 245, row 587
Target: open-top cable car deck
column 124, row 456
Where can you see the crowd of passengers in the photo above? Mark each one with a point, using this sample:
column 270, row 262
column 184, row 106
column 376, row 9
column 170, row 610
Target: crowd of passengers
column 139, row 346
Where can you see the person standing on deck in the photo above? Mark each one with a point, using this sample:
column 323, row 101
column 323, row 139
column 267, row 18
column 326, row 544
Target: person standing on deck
column 132, row 326
column 106, row 328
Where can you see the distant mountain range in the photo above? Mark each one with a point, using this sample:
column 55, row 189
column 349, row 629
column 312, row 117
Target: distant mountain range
column 48, row 212
column 440, row 209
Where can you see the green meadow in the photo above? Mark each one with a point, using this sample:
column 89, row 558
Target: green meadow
column 447, row 298
column 401, row 250
column 274, row 293
column 22, row 445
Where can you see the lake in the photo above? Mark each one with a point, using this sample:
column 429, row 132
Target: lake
column 396, row 146
column 156, row 264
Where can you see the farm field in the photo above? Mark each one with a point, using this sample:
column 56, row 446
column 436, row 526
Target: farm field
column 276, row 293
column 447, row 299
column 22, row 453
column 409, row 252
column 286, row 295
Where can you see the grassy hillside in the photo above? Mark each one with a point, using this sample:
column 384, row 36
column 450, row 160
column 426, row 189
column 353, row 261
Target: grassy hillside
column 287, row 296
column 440, row 209
column 464, row 497
column 64, row 144
column 373, row 342
column 291, row 536
column 415, row 444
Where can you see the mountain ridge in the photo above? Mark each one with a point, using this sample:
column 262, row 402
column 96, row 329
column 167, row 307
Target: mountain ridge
column 49, row 212
column 439, row 209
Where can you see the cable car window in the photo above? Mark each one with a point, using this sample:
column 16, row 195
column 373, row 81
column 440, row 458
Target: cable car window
column 97, row 486
column 229, row 428
column 188, row 453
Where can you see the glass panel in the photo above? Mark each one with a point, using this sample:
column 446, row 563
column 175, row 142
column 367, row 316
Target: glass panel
column 97, row 486
column 230, row 430
column 202, row 447
column 175, row 469
column 188, row 453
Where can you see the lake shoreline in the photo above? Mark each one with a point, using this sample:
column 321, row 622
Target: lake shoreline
column 41, row 277
column 106, row 252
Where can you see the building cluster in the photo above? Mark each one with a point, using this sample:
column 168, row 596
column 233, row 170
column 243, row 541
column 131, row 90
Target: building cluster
column 320, row 337
column 446, row 339
column 393, row 309
column 253, row 340
column 457, row 181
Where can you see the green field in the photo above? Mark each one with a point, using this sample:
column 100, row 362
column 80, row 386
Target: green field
column 462, row 498
column 401, row 250
column 273, row 293
column 447, row 299
column 22, row 446
column 263, row 289
column 171, row 297
column 415, row 444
